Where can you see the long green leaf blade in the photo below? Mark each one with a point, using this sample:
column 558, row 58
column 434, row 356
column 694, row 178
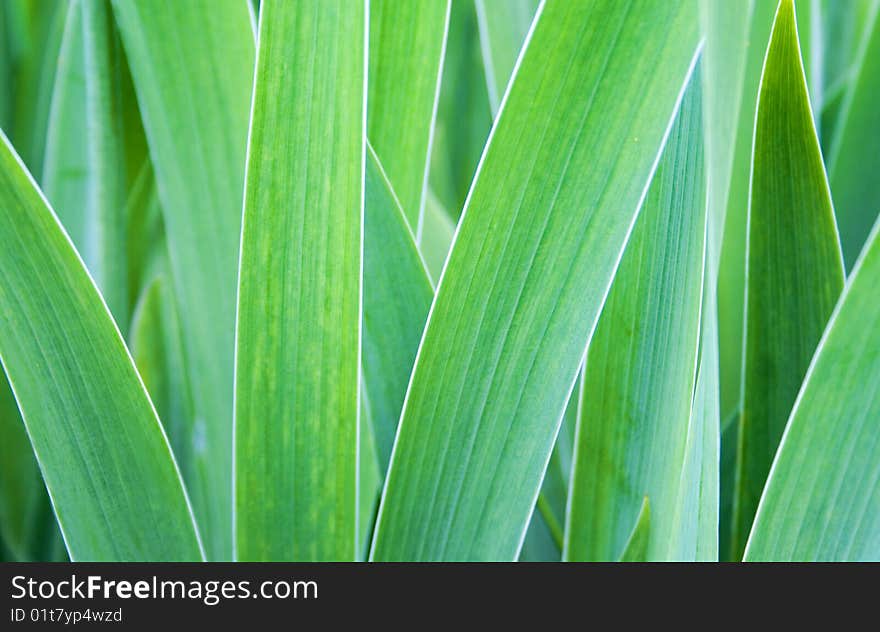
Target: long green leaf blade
column 84, row 171
column 193, row 64
column 731, row 61
column 822, row 500
column 638, row 384
column 732, row 262
column 105, row 459
column 795, row 269
column 408, row 40
column 298, row 334
column 397, row 297
column 528, row 273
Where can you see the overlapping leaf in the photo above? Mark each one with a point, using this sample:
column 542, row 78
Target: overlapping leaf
column 102, row 451
column 193, row 64
column 822, row 500
column 528, row 273
column 795, row 270
column 397, row 296
column 407, row 42
column 640, row 372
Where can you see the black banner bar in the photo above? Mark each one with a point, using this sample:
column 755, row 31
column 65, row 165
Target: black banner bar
column 144, row 595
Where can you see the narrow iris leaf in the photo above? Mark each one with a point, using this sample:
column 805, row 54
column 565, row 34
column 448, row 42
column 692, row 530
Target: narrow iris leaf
column 732, row 222
column 299, row 324
column 504, row 26
column 732, row 265
column 408, row 40
column 640, row 372
column 531, row 264
column 102, row 451
column 85, row 169
column 726, row 27
column 795, row 269
column 397, row 296
column 822, row 500
column 193, row 65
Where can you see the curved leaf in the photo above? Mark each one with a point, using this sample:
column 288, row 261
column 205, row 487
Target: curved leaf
column 529, row 270
column 397, row 296
column 84, row 171
column 822, row 500
column 193, row 65
column 639, row 376
column 795, row 270
column 102, row 451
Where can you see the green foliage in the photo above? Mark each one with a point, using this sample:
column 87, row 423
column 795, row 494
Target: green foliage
column 439, row 280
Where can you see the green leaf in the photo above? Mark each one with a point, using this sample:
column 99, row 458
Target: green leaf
column 698, row 508
column 855, row 154
column 528, row 273
column 193, row 64
column 463, row 115
column 407, row 41
column 636, row 548
column 104, row 457
column 795, row 270
column 640, row 373
column 84, row 171
column 397, row 297
column 504, row 25
column 503, row 28
column 732, row 262
column 733, row 53
column 726, row 29
column 299, row 324
column 822, row 500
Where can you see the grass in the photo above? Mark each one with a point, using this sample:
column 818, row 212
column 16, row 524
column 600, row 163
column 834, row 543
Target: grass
column 456, row 280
